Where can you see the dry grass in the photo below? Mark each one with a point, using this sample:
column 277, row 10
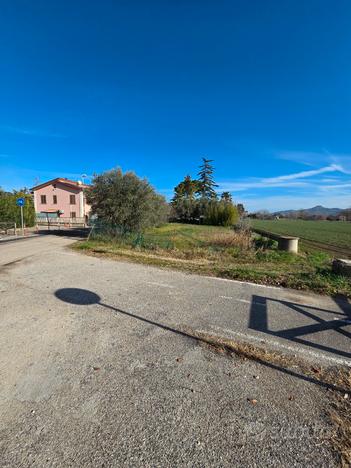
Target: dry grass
column 241, row 240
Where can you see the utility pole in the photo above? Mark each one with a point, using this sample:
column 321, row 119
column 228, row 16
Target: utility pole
column 22, row 220
column 84, row 176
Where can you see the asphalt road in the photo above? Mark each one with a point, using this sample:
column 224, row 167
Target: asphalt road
column 94, row 371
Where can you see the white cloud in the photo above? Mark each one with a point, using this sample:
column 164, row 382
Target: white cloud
column 330, row 180
column 309, row 158
column 336, row 186
column 283, row 181
column 287, row 202
column 311, row 173
column 312, row 158
column 31, row 131
column 259, row 183
column 310, row 190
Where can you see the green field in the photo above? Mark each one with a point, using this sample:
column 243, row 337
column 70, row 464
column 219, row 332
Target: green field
column 331, row 233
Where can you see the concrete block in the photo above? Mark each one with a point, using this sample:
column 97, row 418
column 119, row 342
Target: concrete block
column 289, row 244
column 342, row 267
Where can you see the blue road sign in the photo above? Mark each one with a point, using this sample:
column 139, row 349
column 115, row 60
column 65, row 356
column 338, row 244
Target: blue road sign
column 20, row 201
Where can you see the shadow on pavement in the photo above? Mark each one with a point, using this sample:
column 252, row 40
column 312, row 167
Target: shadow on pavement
column 66, row 232
column 78, row 296
column 258, row 321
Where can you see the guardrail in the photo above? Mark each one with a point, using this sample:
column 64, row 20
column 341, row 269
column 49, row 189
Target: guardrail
column 287, row 243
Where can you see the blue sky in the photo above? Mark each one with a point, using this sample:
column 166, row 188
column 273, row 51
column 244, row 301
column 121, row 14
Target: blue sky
column 261, row 87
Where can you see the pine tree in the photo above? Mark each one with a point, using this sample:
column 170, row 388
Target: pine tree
column 207, row 185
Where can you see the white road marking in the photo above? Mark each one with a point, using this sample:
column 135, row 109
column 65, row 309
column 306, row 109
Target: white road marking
column 260, row 304
column 245, row 301
column 162, row 285
column 285, row 347
column 279, row 288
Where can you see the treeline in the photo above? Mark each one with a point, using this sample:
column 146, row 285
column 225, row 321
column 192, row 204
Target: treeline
column 127, row 203
column 346, row 214
column 196, row 200
column 343, row 215
column 11, row 213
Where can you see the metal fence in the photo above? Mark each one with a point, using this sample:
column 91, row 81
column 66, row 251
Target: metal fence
column 58, row 222
column 103, row 231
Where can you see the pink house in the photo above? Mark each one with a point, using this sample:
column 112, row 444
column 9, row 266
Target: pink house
column 62, row 197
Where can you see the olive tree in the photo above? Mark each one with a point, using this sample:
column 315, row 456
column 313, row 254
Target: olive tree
column 126, row 201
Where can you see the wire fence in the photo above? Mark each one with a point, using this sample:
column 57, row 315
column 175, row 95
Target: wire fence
column 102, row 231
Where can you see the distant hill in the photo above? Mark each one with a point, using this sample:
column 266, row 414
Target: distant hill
column 315, row 211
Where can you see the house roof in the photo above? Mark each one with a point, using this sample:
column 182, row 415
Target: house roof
column 61, row 180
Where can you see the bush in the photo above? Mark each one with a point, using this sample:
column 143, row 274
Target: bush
column 265, row 243
column 126, row 201
column 185, row 210
column 10, row 212
column 219, row 213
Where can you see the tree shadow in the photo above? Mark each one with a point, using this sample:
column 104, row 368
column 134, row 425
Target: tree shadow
column 78, row 296
column 258, row 321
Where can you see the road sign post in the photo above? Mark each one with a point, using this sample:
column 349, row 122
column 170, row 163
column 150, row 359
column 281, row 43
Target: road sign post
column 21, row 202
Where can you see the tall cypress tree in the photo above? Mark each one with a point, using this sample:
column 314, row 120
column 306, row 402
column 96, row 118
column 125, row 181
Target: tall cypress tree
column 207, row 184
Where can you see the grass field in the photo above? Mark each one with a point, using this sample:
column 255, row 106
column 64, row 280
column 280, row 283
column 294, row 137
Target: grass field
column 224, row 253
column 331, row 236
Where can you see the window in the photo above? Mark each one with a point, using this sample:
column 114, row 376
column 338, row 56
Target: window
column 72, row 214
column 54, row 199
column 72, row 199
column 43, row 199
